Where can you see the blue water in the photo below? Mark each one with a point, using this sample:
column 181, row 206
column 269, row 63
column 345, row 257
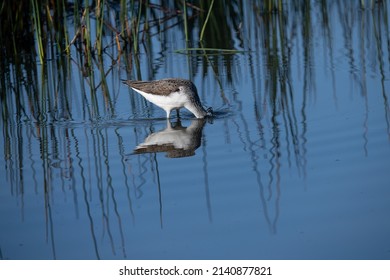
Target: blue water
column 294, row 164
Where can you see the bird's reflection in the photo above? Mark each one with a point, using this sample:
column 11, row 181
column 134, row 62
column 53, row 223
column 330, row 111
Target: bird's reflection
column 176, row 140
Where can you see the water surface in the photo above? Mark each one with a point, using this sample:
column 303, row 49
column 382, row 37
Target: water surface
column 294, row 164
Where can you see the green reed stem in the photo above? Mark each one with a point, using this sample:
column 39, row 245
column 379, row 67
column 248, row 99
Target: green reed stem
column 136, row 28
column 269, row 6
column 87, row 38
column 205, row 22
column 64, row 26
column 100, row 20
column 185, row 18
column 38, row 30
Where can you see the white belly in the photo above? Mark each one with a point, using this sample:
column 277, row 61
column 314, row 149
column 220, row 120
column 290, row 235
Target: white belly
column 169, row 102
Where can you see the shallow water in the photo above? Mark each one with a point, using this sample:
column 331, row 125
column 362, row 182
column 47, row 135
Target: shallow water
column 293, row 165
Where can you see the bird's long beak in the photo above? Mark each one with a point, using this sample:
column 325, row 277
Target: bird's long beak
column 126, row 82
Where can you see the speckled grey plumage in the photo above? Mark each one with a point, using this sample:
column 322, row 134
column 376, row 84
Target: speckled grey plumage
column 162, row 87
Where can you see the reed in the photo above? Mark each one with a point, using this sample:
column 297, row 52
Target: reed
column 185, row 20
column 205, row 22
column 86, row 35
column 38, row 29
column 64, row 27
column 100, row 21
column 137, row 28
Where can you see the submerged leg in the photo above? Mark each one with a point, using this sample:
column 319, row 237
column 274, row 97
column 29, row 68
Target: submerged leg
column 177, row 113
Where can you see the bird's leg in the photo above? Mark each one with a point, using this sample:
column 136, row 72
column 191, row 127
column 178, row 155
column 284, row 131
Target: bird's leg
column 177, row 113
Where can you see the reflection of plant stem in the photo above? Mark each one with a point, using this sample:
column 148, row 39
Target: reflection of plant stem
column 206, row 181
column 204, row 50
column 225, row 100
column 160, row 201
column 382, row 71
column 205, row 22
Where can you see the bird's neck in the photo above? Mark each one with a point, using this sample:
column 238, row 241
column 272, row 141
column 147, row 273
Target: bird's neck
column 197, row 110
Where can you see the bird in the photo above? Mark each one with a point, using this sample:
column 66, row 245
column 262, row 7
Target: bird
column 171, row 93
